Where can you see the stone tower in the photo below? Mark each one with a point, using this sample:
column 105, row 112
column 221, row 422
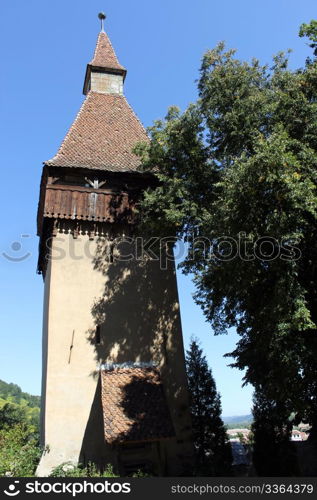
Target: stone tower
column 114, row 388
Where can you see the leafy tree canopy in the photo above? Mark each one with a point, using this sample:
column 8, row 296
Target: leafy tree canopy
column 237, row 174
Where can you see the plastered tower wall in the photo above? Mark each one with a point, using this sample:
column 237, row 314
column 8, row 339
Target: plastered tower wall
column 136, row 305
column 101, row 308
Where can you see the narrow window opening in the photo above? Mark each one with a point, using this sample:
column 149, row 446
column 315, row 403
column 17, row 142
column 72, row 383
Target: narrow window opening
column 97, row 335
column 111, row 253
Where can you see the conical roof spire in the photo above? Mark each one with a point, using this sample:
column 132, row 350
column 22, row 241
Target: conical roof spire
column 105, row 56
column 104, row 59
column 106, row 129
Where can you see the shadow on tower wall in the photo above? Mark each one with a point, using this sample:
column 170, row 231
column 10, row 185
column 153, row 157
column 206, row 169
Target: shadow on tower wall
column 94, row 449
column 139, row 321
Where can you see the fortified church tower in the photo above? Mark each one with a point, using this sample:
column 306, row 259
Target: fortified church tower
column 114, row 387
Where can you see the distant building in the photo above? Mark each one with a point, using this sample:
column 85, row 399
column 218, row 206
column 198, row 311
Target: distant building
column 298, row 436
column 234, row 433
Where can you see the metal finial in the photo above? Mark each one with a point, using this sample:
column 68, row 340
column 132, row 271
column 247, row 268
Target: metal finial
column 102, row 17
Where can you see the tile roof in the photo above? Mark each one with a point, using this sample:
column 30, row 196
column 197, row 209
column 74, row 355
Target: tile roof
column 102, row 136
column 105, row 56
column 134, row 406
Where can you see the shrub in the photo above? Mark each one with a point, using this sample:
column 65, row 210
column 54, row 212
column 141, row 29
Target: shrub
column 68, row 469
column 19, row 451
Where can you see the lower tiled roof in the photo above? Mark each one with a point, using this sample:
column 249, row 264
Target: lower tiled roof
column 134, row 406
column 102, row 136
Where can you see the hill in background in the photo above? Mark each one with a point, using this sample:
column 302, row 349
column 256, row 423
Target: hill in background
column 238, row 422
column 14, row 393
column 16, row 404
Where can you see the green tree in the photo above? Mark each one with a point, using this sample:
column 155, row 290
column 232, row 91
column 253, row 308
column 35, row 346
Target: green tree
column 19, row 426
column 238, row 170
column 11, row 414
column 19, row 450
column 273, row 453
column 310, row 30
column 213, row 452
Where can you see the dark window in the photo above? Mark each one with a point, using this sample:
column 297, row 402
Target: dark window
column 70, row 180
column 97, row 335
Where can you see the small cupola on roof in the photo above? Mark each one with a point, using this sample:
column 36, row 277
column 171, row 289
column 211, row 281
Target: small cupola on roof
column 104, row 73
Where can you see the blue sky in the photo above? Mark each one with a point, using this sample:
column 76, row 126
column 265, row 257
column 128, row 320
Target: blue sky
column 44, row 50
